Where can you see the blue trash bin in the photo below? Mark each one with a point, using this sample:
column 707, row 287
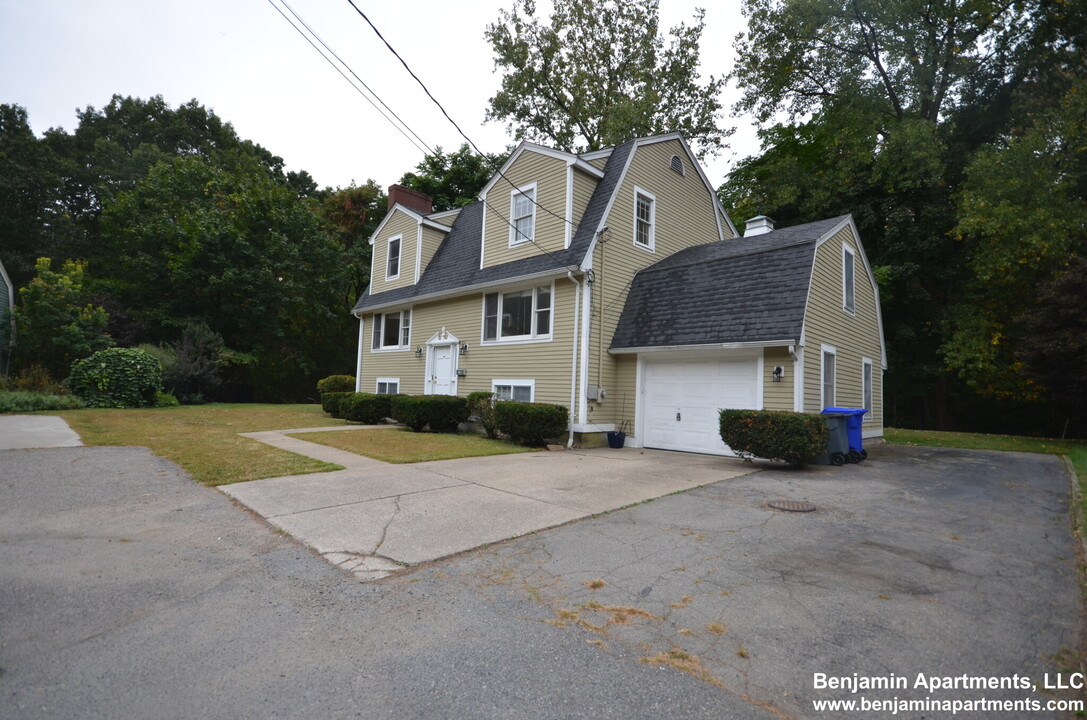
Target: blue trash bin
column 854, row 418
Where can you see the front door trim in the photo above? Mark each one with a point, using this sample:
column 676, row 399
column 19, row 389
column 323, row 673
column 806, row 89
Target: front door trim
column 440, row 340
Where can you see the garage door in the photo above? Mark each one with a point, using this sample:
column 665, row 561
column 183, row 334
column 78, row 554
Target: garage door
column 683, row 397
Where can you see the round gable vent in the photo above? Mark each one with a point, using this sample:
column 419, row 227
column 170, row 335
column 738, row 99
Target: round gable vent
column 677, row 165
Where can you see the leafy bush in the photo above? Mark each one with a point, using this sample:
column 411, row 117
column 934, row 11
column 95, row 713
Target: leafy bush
column 366, row 408
column 531, row 423
column 331, row 403
column 35, row 379
column 481, row 407
column 117, row 377
column 195, row 373
column 22, row 401
column 796, row 438
column 165, row 399
column 336, row 383
column 441, row 412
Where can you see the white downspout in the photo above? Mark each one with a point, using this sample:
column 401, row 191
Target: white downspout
column 573, row 361
column 358, row 368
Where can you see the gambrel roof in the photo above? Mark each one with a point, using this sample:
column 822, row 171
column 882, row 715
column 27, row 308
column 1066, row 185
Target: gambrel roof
column 743, row 290
column 455, row 265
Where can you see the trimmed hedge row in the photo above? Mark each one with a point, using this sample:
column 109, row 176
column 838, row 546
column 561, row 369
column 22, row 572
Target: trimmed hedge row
column 330, row 402
column 442, row 413
column 531, row 423
column 365, row 408
column 525, row 423
column 796, row 438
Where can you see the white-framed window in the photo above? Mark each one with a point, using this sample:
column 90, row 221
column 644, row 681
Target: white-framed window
column 866, row 385
column 645, row 219
column 829, row 372
column 388, row 386
column 392, row 330
column 522, row 214
column 849, row 283
column 392, row 258
column 519, row 390
column 518, row 314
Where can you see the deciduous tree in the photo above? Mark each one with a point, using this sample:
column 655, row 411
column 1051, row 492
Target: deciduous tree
column 600, row 72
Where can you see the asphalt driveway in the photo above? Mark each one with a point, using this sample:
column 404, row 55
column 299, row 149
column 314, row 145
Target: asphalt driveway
column 126, row 590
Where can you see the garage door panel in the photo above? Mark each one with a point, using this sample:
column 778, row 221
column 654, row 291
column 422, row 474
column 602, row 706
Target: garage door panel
column 696, row 389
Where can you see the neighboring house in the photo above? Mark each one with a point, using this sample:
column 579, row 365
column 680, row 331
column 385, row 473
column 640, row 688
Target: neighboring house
column 7, row 320
column 613, row 282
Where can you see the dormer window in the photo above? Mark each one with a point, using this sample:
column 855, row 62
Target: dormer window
column 522, row 214
column 645, row 219
column 849, row 289
column 392, row 264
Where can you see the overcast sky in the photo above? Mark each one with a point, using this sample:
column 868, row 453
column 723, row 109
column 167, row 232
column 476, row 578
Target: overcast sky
column 244, row 61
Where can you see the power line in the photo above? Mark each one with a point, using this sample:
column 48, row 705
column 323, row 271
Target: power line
column 355, row 75
column 446, row 114
column 417, row 141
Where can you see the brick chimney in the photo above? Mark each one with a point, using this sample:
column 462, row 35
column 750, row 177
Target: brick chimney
column 420, row 202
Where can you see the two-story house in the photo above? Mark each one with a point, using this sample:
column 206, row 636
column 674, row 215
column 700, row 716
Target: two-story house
column 613, row 282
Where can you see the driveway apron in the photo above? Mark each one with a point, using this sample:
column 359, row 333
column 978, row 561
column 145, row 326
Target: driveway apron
column 373, row 518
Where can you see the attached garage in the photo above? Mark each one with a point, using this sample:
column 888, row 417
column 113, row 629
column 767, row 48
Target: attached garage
column 682, row 394
column 780, row 319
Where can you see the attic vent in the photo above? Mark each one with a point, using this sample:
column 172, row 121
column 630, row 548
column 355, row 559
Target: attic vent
column 677, row 165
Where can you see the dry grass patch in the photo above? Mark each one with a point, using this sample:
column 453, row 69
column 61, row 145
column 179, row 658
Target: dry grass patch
column 399, row 445
column 716, row 628
column 203, row 439
column 684, row 662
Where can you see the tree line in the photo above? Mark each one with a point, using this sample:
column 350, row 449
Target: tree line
column 955, row 132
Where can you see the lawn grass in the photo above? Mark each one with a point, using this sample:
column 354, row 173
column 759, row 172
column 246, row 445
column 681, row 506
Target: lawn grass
column 1076, row 450
column 400, row 445
column 204, row 439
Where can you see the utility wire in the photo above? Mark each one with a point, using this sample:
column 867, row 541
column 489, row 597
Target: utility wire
column 446, row 114
column 473, row 144
column 355, row 75
column 417, row 142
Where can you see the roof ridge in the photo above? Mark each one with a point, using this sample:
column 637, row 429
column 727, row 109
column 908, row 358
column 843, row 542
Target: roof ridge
column 660, row 267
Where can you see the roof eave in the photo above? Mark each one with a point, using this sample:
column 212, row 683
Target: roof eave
column 706, row 346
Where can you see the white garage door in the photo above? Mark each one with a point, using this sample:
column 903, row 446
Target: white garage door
column 683, row 397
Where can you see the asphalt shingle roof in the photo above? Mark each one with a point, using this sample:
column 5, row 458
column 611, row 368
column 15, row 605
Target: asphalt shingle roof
column 456, row 263
column 740, row 290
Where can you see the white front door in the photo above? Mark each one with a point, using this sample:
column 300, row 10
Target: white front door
column 683, row 396
column 442, row 380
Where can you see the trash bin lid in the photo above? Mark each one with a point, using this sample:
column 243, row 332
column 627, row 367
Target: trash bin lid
column 844, row 411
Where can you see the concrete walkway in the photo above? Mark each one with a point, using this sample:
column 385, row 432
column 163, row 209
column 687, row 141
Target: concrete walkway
column 18, row 432
column 374, row 518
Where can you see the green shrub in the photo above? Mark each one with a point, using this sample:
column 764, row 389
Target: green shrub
column 531, row 423
column 366, row 408
column 24, row 401
column 481, row 407
column 796, row 438
column 330, row 403
column 336, row 383
column 117, row 377
column 34, row 379
column 165, row 399
column 441, row 412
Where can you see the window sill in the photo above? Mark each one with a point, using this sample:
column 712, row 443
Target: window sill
column 652, row 249
column 391, row 349
column 516, row 341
